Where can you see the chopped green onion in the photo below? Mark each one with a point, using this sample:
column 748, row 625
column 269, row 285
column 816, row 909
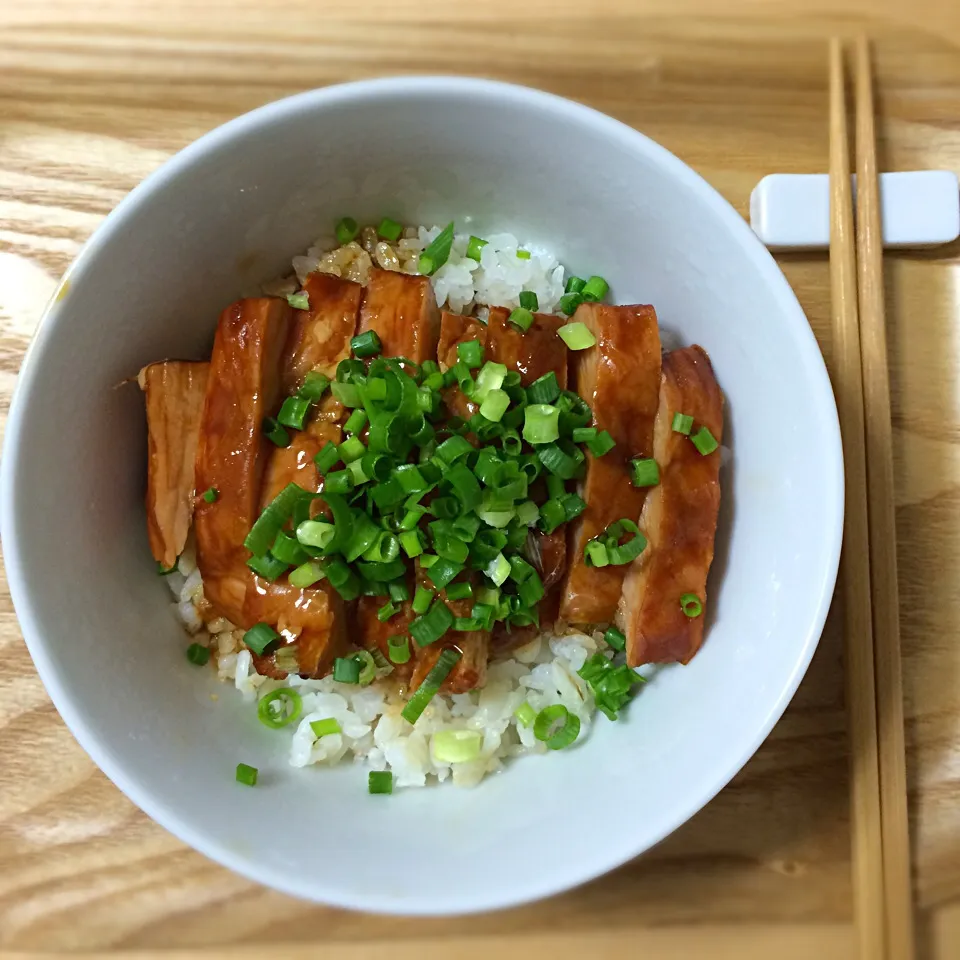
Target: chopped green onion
column 246, row 775
column 595, row 554
column 398, row 649
column 259, row 637
column 612, row 685
column 380, row 782
column 314, row 386
column 459, row 591
column 456, row 746
column 528, row 299
column 682, row 423
column 163, row 571
column 563, row 461
column 552, row 515
column 275, row 433
column 523, row 255
column 615, row 638
column 286, row 549
column 474, row 247
column 346, row 230
column 366, row 344
column 431, row 685
column 498, row 569
column 327, row 457
column 644, row 472
column 351, row 449
column 544, row 389
column 356, row 421
column 436, row 254
column 274, row 517
column 491, row 377
column 368, row 667
column 211, row 495
column 467, row 624
column 573, row 505
column 471, row 352
column 601, row 444
column 705, row 441
column 690, row 604
column 574, row 285
column 387, row 611
column 346, row 670
column 577, row 336
column 325, row 727
column 390, row 229
column 569, row 303
column 595, row 289
column 525, row 714
column 267, row 566
column 521, row 318
column 432, row 625
column 299, row 301
column 421, row 600
column 528, row 513
column 347, row 393
column 399, row 592
column 541, row 423
column 198, row 654
column 556, row 726
column 293, row 412
column 495, row 405
column 306, row 575
column 316, row 533
column 279, row 708
column 410, row 541
column 443, row 571
column 339, row 481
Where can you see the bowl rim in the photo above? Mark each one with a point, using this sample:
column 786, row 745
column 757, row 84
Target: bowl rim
column 343, row 94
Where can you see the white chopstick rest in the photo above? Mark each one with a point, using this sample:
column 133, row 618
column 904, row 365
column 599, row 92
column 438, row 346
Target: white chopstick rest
column 921, row 208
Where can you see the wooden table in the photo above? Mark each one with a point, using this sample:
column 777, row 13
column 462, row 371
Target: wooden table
column 93, row 96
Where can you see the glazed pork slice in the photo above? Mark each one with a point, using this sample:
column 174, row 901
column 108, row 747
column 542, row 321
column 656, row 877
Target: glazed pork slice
column 320, row 335
column 619, row 378
column 403, row 311
column 679, row 519
column 531, row 354
column 173, row 391
column 374, row 634
column 242, row 389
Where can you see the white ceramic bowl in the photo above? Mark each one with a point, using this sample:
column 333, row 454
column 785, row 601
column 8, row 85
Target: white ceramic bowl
column 231, row 210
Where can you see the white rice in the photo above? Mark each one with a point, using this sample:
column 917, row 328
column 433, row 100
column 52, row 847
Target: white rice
column 542, row 673
column 462, row 285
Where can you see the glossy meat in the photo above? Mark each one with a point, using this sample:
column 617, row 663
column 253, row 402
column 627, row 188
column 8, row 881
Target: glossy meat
column 320, row 336
column 173, row 392
column 531, row 354
column 243, row 388
column 470, row 671
column 373, row 634
column 454, row 330
column 679, row 519
column 313, row 619
column 403, row 310
column 620, row 380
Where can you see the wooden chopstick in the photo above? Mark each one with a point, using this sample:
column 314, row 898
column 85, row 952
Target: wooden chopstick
column 866, row 839
column 898, row 900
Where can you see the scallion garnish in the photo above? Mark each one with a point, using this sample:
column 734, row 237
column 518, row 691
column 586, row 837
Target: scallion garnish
column 422, row 600
column 380, row 782
column 595, row 289
column 521, row 318
column 327, row 457
column 577, row 336
column 541, row 423
column 431, row 685
column 544, row 389
column 471, row 352
column 325, row 727
column 436, row 254
column 574, row 285
column 246, row 775
column 474, row 246
column 366, row 344
column 644, row 472
column 615, row 638
column 601, row 444
column 211, row 495
column 198, row 654
column 523, row 255
column 279, row 708
column 611, row 685
column 346, row 230
column 690, row 604
column 259, row 637
column 705, row 441
column 569, row 303
column 299, row 301
column 528, row 300
column 456, row 746
column 432, row 625
column 682, row 423
column 275, row 433
column 346, row 670
column 398, row 649
column 525, row 714
column 368, row 667
column 356, row 421
column 389, row 230
column 556, row 726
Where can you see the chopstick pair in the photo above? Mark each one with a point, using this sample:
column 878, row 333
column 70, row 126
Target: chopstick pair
column 883, row 904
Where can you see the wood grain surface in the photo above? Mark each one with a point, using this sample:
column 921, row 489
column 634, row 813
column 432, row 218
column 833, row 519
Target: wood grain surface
column 95, row 95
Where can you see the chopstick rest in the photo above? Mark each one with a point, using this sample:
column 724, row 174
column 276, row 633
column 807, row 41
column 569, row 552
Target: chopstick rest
column 919, row 208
